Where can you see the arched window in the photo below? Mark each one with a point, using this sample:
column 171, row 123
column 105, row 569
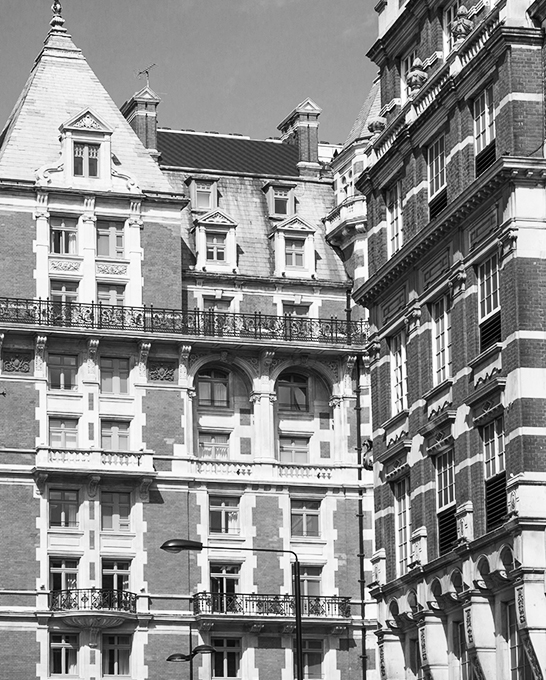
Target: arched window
column 212, row 388
column 293, row 392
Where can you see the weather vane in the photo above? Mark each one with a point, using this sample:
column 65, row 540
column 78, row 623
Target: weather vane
column 147, row 72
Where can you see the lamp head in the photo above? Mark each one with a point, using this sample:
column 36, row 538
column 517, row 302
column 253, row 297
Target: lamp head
column 203, row 649
column 179, row 657
column 176, row 545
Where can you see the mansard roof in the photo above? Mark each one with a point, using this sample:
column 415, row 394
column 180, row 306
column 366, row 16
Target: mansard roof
column 60, row 86
column 190, row 150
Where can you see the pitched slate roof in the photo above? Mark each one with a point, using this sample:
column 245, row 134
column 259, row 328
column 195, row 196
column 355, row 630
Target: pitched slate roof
column 230, row 154
column 60, row 85
column 370, row 108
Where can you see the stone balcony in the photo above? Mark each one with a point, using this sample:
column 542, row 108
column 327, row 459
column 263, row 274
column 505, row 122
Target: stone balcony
column 350, row 212
column 128, row 462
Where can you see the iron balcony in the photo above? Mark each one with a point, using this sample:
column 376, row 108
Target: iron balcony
column 190, row 323
column 270, row 605
column 92, row 600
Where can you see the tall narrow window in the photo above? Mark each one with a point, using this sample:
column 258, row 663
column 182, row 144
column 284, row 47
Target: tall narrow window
column 223, row 515
column 216, row 246
column 115, row 575
column 224, row 584
column 114, row 375
column 63, row 433
column 227, row 657
column 399, row 372
column 63, row 573
column 310, row 578
column 489, row 301
column 116, row 651
column 304, row 517
column 212, row 388
column 312, row 659
column 441, row 318
column 461, row 652
column 520, row 668
column 295, row 253
column 63, row 654
column 280, row 200
column 62, row 369
column 86, row 159
column 63, row 508
column 445, row 493
column 495, row 476
column 63, row 235
column 394, row 218
column 405, row 67
column 401, row 492
column 115, row 511
column 203, row 195
column 436, row 167
column 293, row 392
column 484, row 130
column 450, row 14
column 110, row 239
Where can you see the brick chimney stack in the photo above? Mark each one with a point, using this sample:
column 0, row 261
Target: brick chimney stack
column 301, row 128
column 141, row 114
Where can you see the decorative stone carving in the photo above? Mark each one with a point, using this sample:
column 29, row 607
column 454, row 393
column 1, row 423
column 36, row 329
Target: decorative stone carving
column 513, row 503
column 17, row 362
column 39, row 354
column 111, row 269
column 184, row 361
column 161, row 371
column 64, row 265
column 413, row 319
column 255, row 398
column 40, row 479
column 457, row 281
column 130, row 182
column 92, row 347
column 416, row 77
column 87, row 122
column 42, row 175
column 468, row 627
column 465, row 522
column 373, row 350
column 135, row 222
column 423, row 645
column 41, row 205
column 377, row 125
column 192, row 393
column 272, row 397
column 461, row 26
column 419, row 546
column 507, row 242
column 93, row 485
column 144, row 350
column 144, row 490
column 335, row 401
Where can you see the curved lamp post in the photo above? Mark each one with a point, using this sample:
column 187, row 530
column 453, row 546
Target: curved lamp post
column 200, row 649
column 176, row 545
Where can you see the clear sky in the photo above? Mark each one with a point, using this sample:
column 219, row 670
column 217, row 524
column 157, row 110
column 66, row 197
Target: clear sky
column 223, row 65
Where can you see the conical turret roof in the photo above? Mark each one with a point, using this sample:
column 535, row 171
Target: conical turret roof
column 60, row 85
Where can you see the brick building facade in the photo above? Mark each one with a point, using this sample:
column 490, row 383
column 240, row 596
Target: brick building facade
column 454, row 183
column 178, row 360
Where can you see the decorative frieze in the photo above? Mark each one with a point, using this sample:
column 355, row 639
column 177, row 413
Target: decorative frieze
column 64, row 265
column 111, row 269
column 16, row 362
column 161, row 371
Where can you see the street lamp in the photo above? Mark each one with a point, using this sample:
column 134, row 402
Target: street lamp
column 176, row 545
column 200, row 649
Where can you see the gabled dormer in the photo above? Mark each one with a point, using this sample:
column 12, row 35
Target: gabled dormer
column 294, row 247
column 215, row 242
column 86, row 150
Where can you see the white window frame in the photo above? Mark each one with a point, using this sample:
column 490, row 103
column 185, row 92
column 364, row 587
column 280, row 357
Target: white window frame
column 119, row 433
column 65, row 368
column 115, row 509
column 484, row 119
column 116, row 370
column 68, row 644
column 461, row 651
column 213, row 445
column 311, row 580
column 116, row 571
column 112, row 234
column 395, row 222
column 89, row 153
column 278, row 193
column 200, row 188
column 69, row 504
column 116, row 655
column 489, row 287
column 402, row 518
column 309, row 512
column 441, row 328
column 65, row 570
column 88, row 131
column 406, row 62
column 65, row 430
column 448, row 17
column 399, row 372
column 224, row 514
column 445, row 480
column 294, row 448
column 63, row 235
column 226, row 648
column 63, row 292
column 111, row 294
column 493, row 447
column 214, row 377
column 436, row 167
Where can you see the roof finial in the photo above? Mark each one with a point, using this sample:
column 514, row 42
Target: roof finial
column 57, row 21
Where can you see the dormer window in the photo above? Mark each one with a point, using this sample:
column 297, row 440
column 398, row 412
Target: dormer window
column 86, row 160
column 294, row 244
column 203, row 193
column 280, row 199
column 215, row 243
column 87, row 150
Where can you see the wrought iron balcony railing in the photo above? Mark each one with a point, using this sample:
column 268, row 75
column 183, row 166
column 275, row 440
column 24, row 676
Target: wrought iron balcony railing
column 194, row 323
column 92, row 599
column 270, row 605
